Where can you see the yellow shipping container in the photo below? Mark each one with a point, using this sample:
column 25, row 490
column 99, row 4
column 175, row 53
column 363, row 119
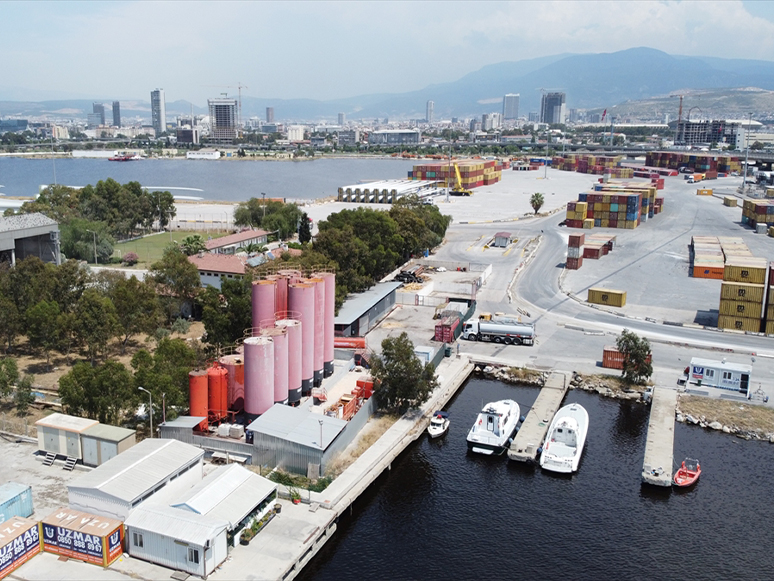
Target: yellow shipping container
column 770, row 192
column 771, row 231
column 740, row 309
column 739, row 323
column 741, row 291
column 771, row 295
column 701, row 192
column 610, row 298
column 745, row 269
column 729, row 201
column 631, row 224
column 770, row 313
column 605, row 223
column 588, row 223
column 770, row 327
column 581, row 206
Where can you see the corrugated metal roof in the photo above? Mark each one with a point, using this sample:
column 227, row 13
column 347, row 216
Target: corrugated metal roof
column 184, row 422
column 141, row 468
column 11, row 490
column 24, row 221
column 354, row 307
column 109, row 433
column 298, row 425
column 234, row 239
column 181, row 525
column 85, row 522
column 229, row 493
column 67, row 423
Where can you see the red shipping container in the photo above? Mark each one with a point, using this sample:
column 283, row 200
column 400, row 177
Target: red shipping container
column 593, row 252
column 574, row 263
column 576, row 240
column 612, row 358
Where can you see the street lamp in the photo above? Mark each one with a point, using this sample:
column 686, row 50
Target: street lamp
column 150, row 397
column 264, row 204
column 94, row 235
column 322, row 447
column 747, row 152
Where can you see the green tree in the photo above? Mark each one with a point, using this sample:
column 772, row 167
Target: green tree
column 67, row 332
column 177, row 280
column 226, row 313
column 11, row 322
column 252, row 247
column 404, row 382
column 136, row 306
column 42, row 330
column 193, row 244
column 636, row 357
column 164, row 204
column 9, row 376
column 103, row 393
column 304, row 229
column 536, row 201
column 181, row 326
column 81, row 238
column 23, row 396
column 96, row 322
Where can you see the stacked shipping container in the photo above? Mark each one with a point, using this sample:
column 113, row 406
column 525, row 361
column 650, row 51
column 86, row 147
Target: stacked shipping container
column 575, row 251
column 614, row 205
column 742, row 293
column 593, row 164
column 756, row 212
column 722, row 164
column 769, row 313
column 473, row 172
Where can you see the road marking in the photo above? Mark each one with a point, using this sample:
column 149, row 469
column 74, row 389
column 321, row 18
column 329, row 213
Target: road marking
column 476, row 242
column 507, row 252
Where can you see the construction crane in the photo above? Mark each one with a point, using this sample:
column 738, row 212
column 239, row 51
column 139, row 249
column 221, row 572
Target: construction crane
column 239, row 87
column 679, row 115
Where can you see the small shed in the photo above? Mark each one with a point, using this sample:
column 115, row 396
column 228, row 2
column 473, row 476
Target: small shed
column 231, row 493
column 79, row 535
column 15, row 500
column 178, row 539
column 180, row 427
column 102, row 442
column 60, row 434
column 19, row 542
column 720, row 374
column 362, row 311
column 502, row 239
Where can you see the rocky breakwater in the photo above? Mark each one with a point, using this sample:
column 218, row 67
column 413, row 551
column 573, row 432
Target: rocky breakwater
column 744, row 420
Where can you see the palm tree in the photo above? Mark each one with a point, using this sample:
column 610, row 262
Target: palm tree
column 536, row 201
column 252, row 247
column 193, row 244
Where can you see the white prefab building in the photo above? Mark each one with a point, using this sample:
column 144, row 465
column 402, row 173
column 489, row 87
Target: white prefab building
column 721, row 374
column 60, row 434
column 102, row 442
column 124, row 482
column 177, row 539
column 231, row 493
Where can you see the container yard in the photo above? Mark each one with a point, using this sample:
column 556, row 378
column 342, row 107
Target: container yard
column 696, row 163
column 472, row 173
column 758, row 212
column 615, row 205
column 594, row 164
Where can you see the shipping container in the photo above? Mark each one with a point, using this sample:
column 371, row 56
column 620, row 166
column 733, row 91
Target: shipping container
column 733, row 308
column 729, row 201
column 612, row 358
column 82, row 536
column 739, row 323
column 573, row 252
column 574, row 263
column 608, row 297
column 745, row 269
column 15, row 500
column 19, row 542
column 741, row 291
column 577, row 240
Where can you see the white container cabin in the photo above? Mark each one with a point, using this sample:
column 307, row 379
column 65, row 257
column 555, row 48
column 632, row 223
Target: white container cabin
column 60, row 434
column 720, row 374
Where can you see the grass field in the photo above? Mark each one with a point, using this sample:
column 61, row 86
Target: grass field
column 150, row 248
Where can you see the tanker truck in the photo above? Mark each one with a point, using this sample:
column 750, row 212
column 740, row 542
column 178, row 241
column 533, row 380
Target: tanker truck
column 499, row 332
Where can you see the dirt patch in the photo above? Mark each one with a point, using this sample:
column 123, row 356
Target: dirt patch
column 739, row 417
column 373, row 430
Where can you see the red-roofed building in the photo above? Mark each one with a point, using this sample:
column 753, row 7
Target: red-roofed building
column 231, row 243
column 215, row 268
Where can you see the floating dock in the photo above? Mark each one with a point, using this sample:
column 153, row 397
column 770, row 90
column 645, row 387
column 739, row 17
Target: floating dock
column 657, row 467
column 530, row 436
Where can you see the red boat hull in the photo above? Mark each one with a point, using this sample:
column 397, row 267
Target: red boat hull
column 684, row 477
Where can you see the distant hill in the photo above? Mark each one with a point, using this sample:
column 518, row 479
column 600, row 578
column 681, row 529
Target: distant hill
column 589, row 80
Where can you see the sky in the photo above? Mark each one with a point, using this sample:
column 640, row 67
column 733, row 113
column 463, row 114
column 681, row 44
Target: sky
column 326, row 50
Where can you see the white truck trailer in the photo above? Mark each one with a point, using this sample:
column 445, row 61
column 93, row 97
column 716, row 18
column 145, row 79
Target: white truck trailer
column 497, row 332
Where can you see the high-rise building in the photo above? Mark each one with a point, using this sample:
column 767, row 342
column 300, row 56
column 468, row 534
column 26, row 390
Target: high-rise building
column 223, row 120
column 158, row 111
column 342, row 119
column 533, row 117
column 116, row 114
column 511, row 106
column 486, row 122
column 93, row 120
column 99, row 109
column 269, row 114
column 552, row 108
column 430, row 113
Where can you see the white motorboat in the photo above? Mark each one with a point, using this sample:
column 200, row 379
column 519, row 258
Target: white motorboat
column 566, row 438
column 494, row 427
column 439, row 424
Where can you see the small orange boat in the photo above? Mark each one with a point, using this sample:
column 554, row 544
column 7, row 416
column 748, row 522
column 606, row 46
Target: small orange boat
column 688, row 474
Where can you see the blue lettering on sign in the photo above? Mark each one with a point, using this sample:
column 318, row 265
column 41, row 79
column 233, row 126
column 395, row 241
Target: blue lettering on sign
column 6, row 557
column 114, row 541
column 31, row 537
column 698, row 372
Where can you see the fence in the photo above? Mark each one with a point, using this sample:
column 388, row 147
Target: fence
column 18, row 426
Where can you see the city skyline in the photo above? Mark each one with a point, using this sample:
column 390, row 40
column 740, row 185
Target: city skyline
column 51, row 48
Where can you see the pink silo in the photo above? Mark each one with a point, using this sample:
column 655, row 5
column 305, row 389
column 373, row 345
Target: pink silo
column 279, row 336
column 319, row 327
column 263, row 304
column 259, row 375
column 235, row 365
column 301, row 300
column 294, row 358
column 281, row 293
column 330, row 315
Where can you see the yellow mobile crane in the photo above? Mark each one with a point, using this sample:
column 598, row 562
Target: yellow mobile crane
column 457, row 189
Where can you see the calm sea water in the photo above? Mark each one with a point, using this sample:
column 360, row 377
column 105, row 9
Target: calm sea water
column 218, row 180
column 444, row 513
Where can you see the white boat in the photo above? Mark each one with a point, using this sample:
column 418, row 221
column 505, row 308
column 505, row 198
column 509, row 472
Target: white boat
column 566, row 438
column 439, row 424
column 494, row 427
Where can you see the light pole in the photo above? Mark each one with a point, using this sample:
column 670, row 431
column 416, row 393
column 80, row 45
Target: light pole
column 264, row 204
column 747, row 152
column 150, row 397
column 322, row 447
column 94, row 235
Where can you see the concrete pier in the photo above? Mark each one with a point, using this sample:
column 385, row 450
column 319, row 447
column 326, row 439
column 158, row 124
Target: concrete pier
column 529, row 438
column 657, row 467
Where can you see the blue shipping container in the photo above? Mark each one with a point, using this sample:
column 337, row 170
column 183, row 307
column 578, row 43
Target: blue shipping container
column 15, row 500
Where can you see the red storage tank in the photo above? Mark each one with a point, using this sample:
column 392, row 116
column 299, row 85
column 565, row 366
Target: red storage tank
column 319, row 328
column 349, row 342
column 279, row 335
column 235, row 366
column 301, row 300
column 330, row 315
column 259, row 375
column 217, row 401
column 294, row 358
column 198, row 386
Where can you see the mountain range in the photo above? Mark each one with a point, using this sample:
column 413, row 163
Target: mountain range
column 590, row 81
